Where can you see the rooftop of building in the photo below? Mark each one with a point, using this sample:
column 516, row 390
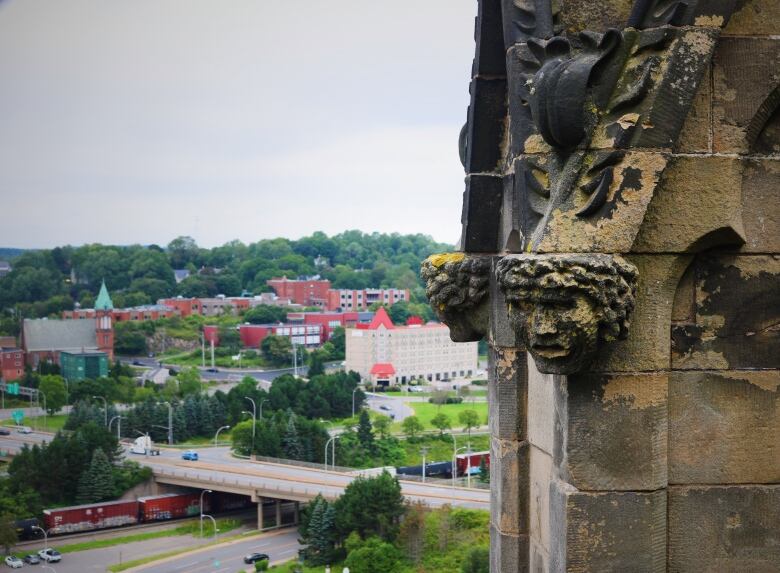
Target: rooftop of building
column 103, row 301
column 42, row 334
column 86, row 353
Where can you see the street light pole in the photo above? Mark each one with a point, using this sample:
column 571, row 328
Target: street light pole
column 454, row 464
column 254, row 420
column 217, row 434
column 423, row 451
column 353, row 400
column 118, row 426
column 170, row 422
column 105, row 409
column 333, row 452
column 44, row 410
column 264, row 400
column 214, row 521
column 201, row 509
column 45, row 537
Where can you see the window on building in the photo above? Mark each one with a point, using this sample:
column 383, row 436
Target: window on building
column 438, row 376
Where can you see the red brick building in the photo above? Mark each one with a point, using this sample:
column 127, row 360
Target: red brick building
column 182, row 306
column 345, row 299
column 11, row 364
column 327, row 320
column 134, row 314
column 307, row 292
column 44, row 340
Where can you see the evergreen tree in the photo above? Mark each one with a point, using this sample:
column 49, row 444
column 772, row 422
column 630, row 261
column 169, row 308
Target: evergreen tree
column 8, row 537
column 97, row 483
column 365, row 431
column 484, row 471
column 291, row 442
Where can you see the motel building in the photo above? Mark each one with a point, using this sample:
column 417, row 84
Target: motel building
column 386, row 354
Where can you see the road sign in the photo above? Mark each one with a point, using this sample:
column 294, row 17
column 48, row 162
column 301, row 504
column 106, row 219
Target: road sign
column 18, row 416
column 13, row 388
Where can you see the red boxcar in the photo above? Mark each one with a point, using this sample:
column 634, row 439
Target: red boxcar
column 89, row 517
column 172, row 505
column 462, row 462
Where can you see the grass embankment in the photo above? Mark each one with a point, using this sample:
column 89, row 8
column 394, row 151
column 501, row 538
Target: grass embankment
column 425, row 411
column 53, row 423
column 188, row 528
column 152, row 558
column 440, row 449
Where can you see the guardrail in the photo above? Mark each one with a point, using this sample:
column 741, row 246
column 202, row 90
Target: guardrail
column 244, row 483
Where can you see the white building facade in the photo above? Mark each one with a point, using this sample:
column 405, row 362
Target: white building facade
column 384, row 353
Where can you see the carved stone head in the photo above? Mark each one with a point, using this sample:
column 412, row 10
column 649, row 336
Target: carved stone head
column 565, row 306
column 457, row 286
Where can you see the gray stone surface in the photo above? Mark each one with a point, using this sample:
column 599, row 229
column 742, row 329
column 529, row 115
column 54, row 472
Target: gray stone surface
column 724, row 529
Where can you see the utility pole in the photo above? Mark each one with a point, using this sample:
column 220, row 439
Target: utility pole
column 105, row 409
column 423, row 451
column 170, row 422
column 212, row 352
column 295, row 359
column 202, row 361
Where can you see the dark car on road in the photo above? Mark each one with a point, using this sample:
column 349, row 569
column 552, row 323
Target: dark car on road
column 253, row 557
column 5, row 432
column 31, row 559
column 212, row 369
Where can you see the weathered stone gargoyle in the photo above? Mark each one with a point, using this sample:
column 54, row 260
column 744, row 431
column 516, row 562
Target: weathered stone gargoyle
column 457, row 286
column 564, row 306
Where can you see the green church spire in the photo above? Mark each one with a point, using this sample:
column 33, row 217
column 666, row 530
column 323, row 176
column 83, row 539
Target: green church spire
column 103, row 301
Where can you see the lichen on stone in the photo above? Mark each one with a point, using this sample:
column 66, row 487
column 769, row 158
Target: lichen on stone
column 457, row 287
column 565, row 306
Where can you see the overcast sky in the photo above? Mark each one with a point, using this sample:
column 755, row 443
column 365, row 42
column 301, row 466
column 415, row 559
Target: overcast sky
column 135, row 121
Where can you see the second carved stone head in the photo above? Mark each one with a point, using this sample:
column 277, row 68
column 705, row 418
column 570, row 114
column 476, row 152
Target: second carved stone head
column 565, row 306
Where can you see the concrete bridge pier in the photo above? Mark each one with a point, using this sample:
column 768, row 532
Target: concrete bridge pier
column 260, row 523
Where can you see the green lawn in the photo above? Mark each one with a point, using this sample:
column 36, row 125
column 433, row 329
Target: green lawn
column 53, row 423
column 425, row 411
column 440, row 450
column 191, row 527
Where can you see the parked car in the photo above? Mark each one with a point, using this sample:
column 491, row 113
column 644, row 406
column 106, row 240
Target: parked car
column 32, row 559
column 383, row 407
column 25, row 430
column 252, row 557
column 5, row 432
column 14, row 562
column 50, row 555
column 137, row 363
column 190, row 456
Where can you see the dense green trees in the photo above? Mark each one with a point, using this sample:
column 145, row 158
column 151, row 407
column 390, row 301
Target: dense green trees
column 97, row 482
column 45, row 282
column 53, row 387
column 50, row 474
column 371, row 507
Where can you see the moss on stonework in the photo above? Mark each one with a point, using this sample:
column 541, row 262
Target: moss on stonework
column 444, row 258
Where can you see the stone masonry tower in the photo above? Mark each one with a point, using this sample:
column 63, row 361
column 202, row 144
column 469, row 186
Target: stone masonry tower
column 621, row 231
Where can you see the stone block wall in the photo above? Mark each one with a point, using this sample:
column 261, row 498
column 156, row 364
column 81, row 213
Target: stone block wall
column 661, row 452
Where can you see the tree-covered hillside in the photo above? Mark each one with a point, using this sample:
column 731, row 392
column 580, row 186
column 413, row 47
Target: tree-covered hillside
column 45, row 282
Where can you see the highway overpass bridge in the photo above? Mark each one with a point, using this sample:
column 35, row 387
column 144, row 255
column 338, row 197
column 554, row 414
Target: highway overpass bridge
column 265, row 481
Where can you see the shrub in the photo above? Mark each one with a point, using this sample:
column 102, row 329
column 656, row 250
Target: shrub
column 477, row 561
column 261, row 565
column 375, row 555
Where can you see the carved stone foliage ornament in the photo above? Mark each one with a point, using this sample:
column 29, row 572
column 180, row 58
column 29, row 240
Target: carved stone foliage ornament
column 565, row 306
column 457, row 287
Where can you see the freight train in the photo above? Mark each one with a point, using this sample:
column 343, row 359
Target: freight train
column 443, row 470
column 92, row 517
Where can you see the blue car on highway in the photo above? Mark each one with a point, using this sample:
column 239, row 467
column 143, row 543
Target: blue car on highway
column 190, row 456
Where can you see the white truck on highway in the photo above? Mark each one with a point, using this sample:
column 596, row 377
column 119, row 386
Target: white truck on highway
column 143, row 445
